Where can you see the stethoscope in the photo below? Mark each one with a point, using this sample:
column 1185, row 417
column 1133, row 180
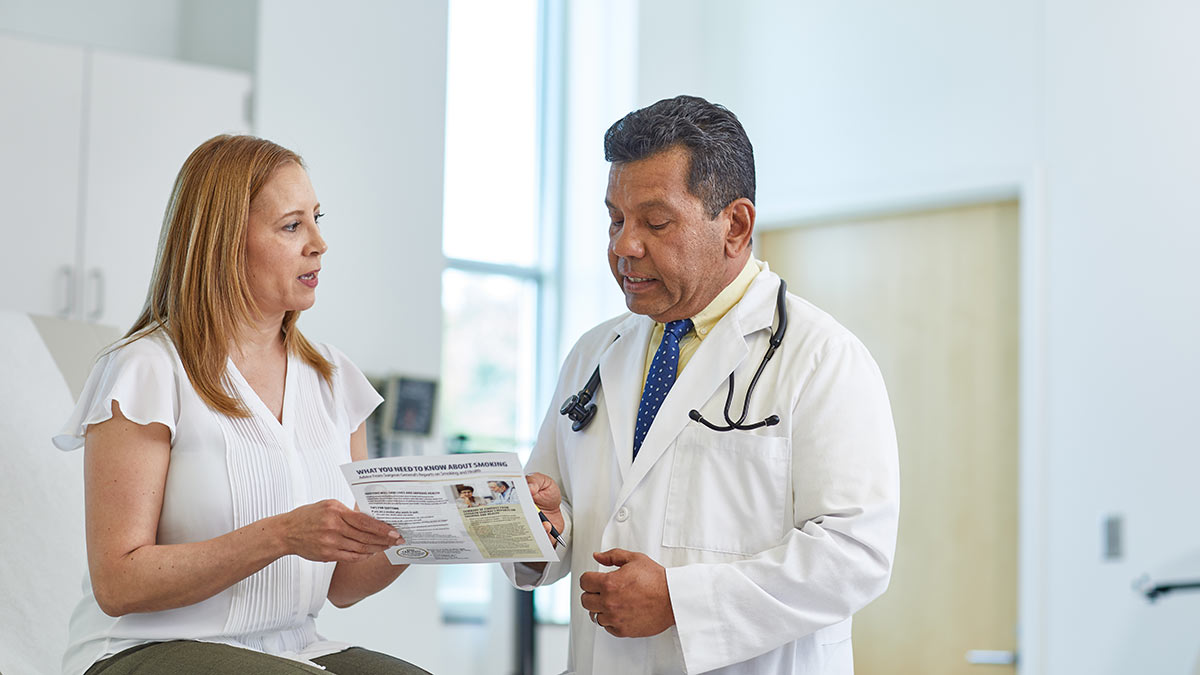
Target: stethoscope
column 580, row 409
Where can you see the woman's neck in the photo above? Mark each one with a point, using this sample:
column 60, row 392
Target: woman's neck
column 260, row 339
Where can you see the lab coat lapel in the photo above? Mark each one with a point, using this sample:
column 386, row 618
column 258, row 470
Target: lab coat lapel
column 621, row 381
column 707, row 372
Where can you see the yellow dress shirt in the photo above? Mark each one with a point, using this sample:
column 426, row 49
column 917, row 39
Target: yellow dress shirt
column 704, row 321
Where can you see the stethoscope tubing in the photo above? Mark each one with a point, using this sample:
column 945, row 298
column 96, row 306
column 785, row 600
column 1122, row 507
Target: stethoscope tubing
column 776, row 340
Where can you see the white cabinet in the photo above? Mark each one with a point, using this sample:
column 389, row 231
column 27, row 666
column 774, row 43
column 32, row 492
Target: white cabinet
column 145, row 116
column 41, row 104
column 88, row 222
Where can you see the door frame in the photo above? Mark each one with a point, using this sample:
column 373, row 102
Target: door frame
column 1028, row 188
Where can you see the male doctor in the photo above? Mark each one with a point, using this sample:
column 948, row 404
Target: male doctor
column 696, row 551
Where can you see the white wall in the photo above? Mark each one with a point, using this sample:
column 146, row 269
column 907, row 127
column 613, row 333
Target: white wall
column 1123, row 150
column 1088, row 113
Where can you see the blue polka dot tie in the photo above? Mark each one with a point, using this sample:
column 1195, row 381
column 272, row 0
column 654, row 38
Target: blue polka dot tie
column 660, row 378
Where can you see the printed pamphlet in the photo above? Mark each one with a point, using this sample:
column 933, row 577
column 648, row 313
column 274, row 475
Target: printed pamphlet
column 470, row 508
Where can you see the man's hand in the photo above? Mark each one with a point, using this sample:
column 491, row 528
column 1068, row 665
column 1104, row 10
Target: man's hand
column 631, row 601
column 548, row 499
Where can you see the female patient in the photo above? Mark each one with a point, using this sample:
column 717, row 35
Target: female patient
column 217, row 517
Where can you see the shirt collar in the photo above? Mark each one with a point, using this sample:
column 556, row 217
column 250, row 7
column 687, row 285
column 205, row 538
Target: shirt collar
column 707, row 318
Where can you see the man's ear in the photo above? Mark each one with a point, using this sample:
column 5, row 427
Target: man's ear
column 741, row 226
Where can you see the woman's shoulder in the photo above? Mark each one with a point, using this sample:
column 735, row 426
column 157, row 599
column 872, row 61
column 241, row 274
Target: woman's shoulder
column 153, row 350
column 340, row 368
column 153, row 344
column 141, row 374
column 348, row 390
column 330, row 352
column 342, row 364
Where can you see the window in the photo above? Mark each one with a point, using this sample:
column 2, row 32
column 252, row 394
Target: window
column 498, row 349
column 489, row 342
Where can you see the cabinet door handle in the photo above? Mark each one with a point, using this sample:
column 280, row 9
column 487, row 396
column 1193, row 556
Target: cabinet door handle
column 66, row 273
column 96, row 276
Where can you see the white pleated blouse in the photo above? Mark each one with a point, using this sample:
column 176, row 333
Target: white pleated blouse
column 226, row 473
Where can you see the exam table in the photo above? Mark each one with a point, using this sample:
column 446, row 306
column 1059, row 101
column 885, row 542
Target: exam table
column 44, row 362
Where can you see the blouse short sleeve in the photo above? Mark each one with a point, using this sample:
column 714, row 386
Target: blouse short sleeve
column 359, row 398
column 140, row 375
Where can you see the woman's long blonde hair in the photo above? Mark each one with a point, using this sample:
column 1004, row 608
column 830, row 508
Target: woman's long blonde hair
column 199, row 293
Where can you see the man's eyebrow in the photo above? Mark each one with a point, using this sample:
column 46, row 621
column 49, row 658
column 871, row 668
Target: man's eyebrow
column 648, row 204
column 654, row 204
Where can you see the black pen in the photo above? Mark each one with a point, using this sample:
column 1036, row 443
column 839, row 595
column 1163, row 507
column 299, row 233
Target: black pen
column 553, row 532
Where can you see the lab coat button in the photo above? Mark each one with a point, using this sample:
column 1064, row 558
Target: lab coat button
column 622, row 514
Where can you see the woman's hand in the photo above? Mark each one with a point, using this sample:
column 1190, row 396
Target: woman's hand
column 329, row 531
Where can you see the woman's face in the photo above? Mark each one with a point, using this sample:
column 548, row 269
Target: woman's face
column 283, row 243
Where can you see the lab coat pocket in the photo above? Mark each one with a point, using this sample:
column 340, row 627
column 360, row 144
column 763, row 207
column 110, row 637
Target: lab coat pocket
column 728, row 492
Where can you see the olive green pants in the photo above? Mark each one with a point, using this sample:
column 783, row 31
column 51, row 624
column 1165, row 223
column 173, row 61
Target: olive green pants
column 185, row 657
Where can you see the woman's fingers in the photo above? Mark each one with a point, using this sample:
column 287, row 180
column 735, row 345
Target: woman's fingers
column 368, row 530
column 329, row 531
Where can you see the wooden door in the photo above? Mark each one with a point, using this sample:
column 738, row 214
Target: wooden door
column 933, row 295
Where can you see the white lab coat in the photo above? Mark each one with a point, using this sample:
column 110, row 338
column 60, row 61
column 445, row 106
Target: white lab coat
column 771, row 538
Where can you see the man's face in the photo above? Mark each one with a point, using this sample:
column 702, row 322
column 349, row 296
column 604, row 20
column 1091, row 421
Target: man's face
column 667, row 255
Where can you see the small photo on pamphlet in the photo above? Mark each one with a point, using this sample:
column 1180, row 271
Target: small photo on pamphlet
column 489, row 493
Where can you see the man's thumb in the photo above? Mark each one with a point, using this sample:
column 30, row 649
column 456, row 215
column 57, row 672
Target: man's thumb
column 613, row 557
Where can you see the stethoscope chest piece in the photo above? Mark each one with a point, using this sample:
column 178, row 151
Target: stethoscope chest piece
column 580, row 412
column 579, row 407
